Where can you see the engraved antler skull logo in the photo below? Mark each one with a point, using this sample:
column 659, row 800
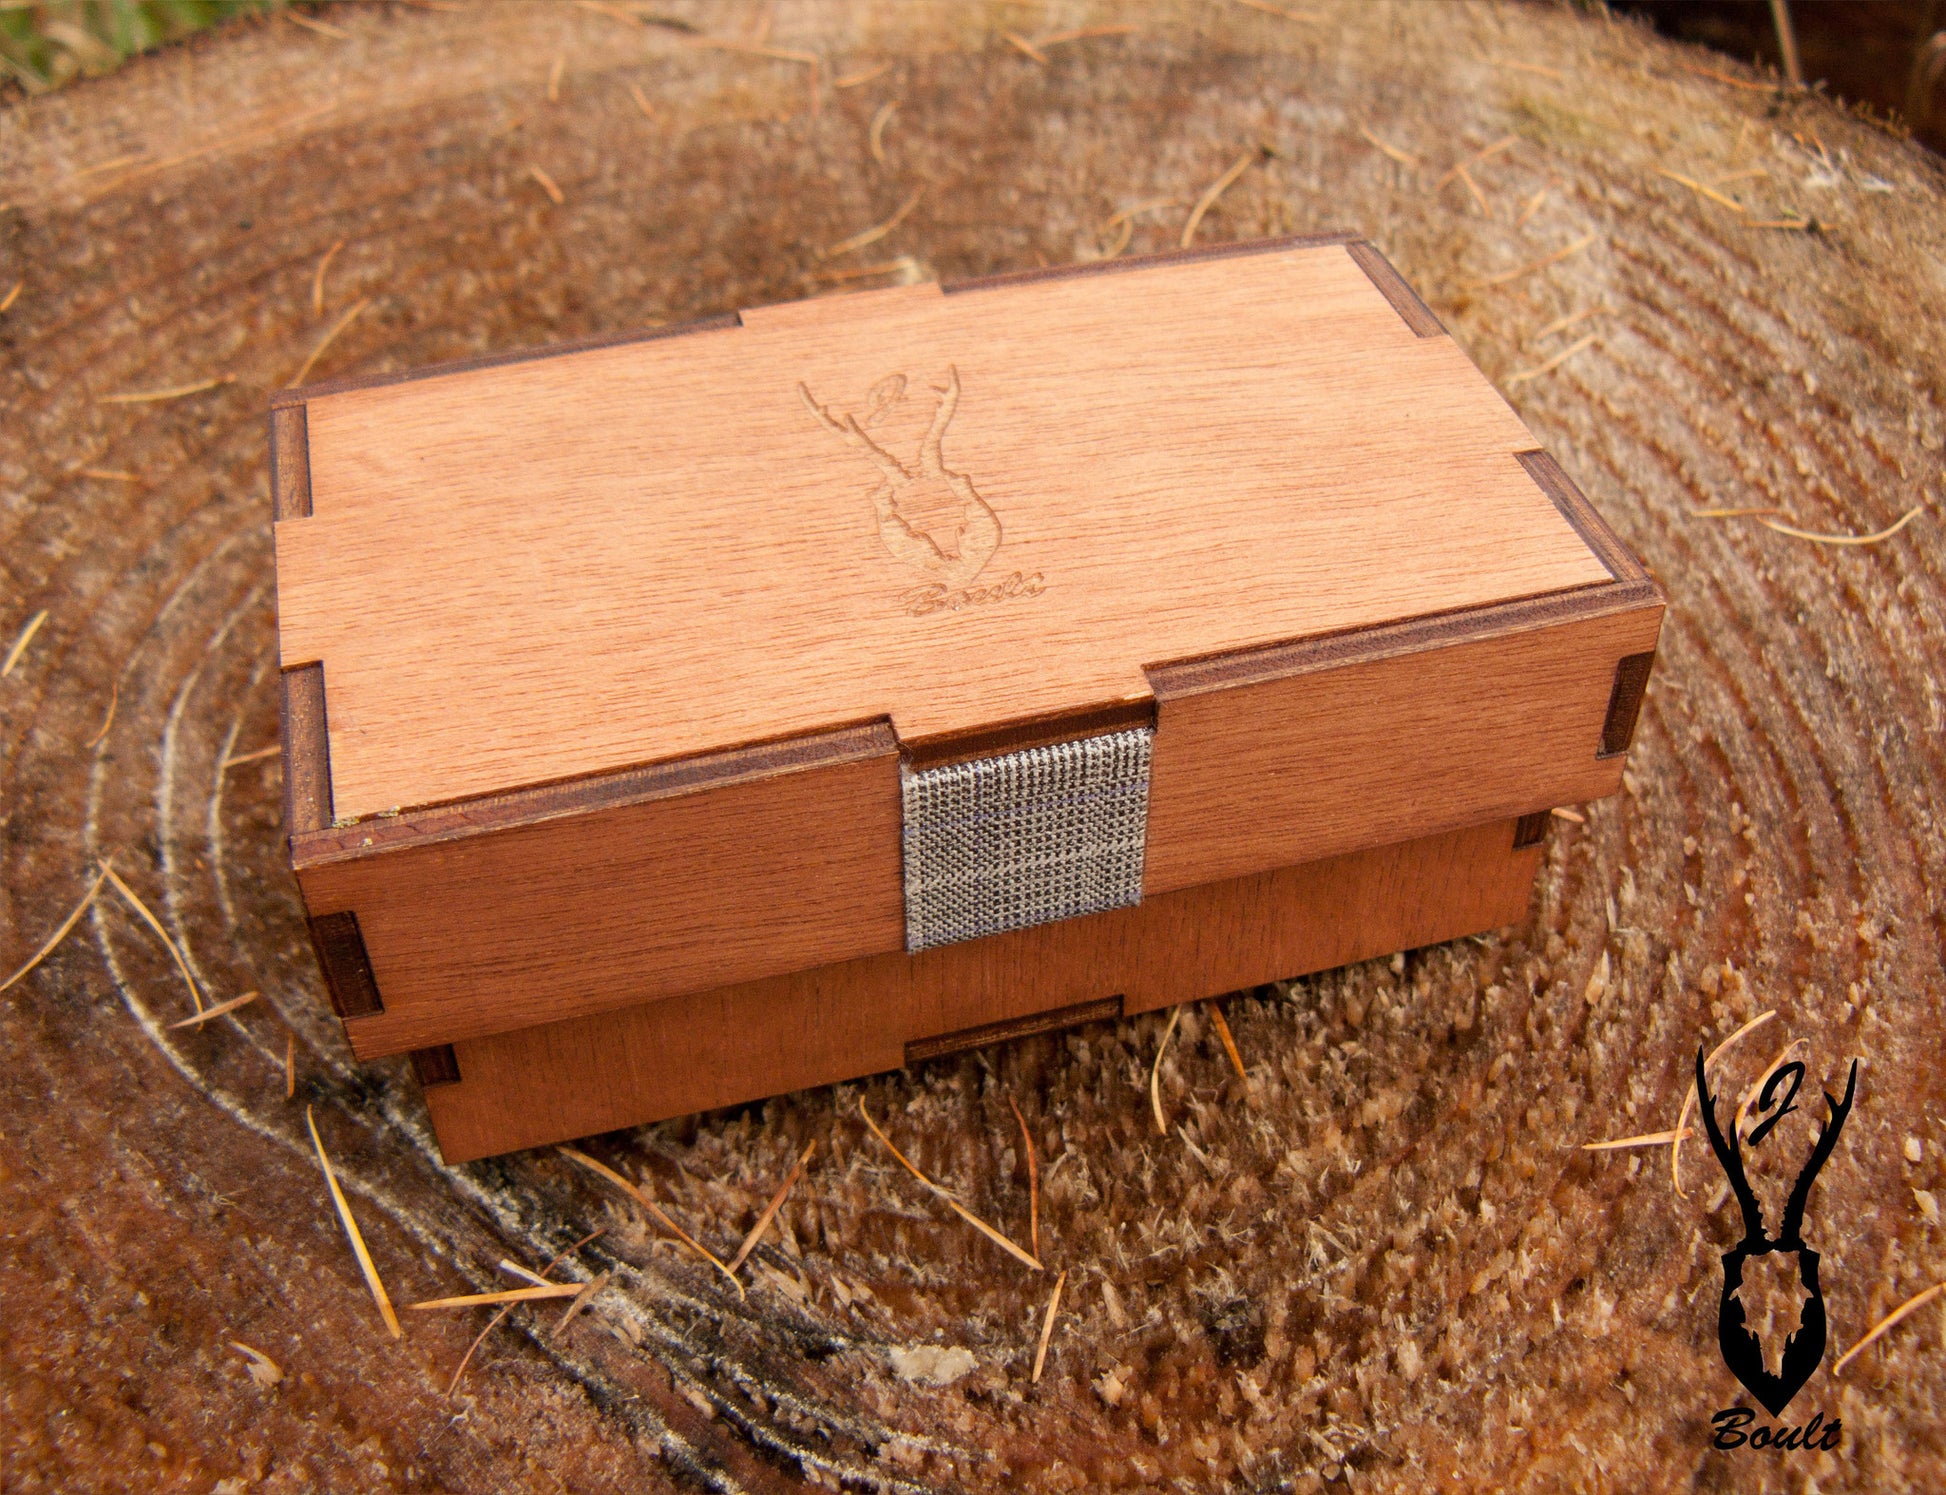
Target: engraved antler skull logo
column 929, row 517
column 1804, row 1348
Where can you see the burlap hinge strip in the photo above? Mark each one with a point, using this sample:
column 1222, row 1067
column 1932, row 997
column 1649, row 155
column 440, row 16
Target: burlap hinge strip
column 1025, row 838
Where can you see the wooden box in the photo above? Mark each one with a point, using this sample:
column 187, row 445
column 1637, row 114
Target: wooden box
column 674, row 720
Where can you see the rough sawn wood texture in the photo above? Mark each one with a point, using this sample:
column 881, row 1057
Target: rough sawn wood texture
column 1387, row 1267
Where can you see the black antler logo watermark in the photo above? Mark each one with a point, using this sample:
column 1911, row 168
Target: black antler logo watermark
column 1804, row 1348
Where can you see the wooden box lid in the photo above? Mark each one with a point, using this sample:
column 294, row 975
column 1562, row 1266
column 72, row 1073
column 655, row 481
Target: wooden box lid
column 959, row 518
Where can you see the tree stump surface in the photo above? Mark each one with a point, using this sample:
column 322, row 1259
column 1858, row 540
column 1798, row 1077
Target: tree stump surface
column 1389, row 1264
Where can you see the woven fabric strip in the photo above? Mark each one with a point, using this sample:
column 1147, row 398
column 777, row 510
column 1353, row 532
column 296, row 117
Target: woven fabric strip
column 1026, row 838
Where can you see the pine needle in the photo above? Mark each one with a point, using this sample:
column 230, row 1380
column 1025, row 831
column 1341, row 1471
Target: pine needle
column 1682, row 1118
column 173, row 392
column 642, row 101
column 323, row 28
column 12, row 296
column 351, row 1230
column 1020, row 43
column 1562, row 324
column 494, row 1322
column 1047, row 1325
column 290, row 1064
column 1155, row 1071
column 1647, row 1139
column 1277, row 10
column 1910, row 1306
column 209, row 1014
column 1885, row 534
column 547, row 184
column 1573, row 817
column 554, row 77
column 853, row 80
column 1506, row 277
column 20, row 644
column 581, row 1300
column 510, row 1295
column 304, row 369
column 873, row 234
column 154, row 923
column 62, row 933
column 770, row 1210
column 242, row 758
column 1404, row 158
column 108, row 474
column 1504, row 143
column 1229, row 1043
column 951, row 1203
column 317, row 280
column 1553, row 363
column 1729, row 513
column 575, row 1155
column 1701, row 190
column 1216, row 189
column 1086, row 33
column 1033, row 1182
column 880, row 120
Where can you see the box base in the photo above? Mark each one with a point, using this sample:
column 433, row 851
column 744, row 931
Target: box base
column 839, row 1022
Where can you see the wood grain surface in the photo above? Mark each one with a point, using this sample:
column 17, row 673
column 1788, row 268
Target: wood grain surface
column 749, row 1041
column 1387, row 1268
column 639, row 553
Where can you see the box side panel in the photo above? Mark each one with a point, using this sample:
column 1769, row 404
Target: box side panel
column 625, row 903
column 740, row 1043
column 1393, row 738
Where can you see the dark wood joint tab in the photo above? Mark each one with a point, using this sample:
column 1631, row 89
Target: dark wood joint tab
column 290, row 463
column 436, row 1066
column 921, row 1049
column 307, row 751
column 1531, row 830
column 347, row 968
column 1393, row 287
column 1625, row 704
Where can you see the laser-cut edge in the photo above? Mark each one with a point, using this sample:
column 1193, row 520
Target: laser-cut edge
column 438, row 1065
column 1102, row 1009
column 1531, row 829
column 1625, row 703
column 1395, row 288
column 347, row 967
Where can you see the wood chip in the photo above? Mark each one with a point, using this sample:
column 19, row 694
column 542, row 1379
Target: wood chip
column 365, row 1264
column 221, row 1009
column 575, row 1155
column 1229, row 1043
column 547, row 184
column 1033, row 1182
column 1551, row 364
column 1910, row 1306
column 1689, row 1100
column 510, row 1295
column 1647, row 1139
column 60, row 934
column 877, row 134
column 1507, row 277
column 1047, row 1325
column 317, row 279
column 1404, row 158
column 154, row 923
column 173, row 392
column 304, row 369
column 1216, row 189
column 1155, row 1071
column 20, row 644
column 876, row 232
column 1573, row 817
column 770, row 1210
column 946, row 1195
column 1872, row 539
column 263, row 1370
